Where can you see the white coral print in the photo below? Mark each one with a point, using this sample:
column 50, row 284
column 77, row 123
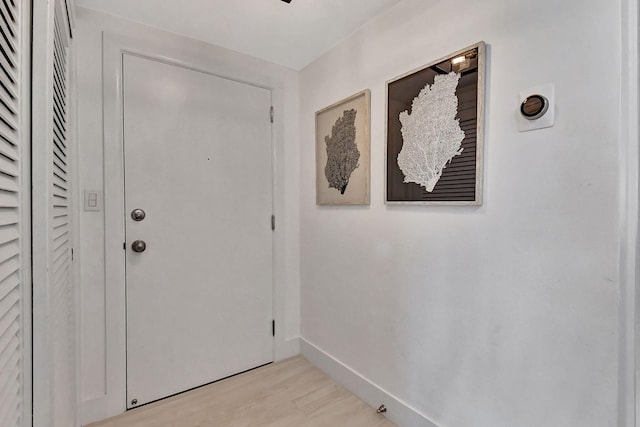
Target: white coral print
column 431, row 134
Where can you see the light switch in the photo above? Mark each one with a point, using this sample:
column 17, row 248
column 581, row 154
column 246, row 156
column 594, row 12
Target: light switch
column 92, row 200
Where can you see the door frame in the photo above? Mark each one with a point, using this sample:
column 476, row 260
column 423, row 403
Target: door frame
column 629, row 251
column 114, row 47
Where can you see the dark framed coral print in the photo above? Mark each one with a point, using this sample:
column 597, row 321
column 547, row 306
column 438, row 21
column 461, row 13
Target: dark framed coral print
column 435, row 127
column 343, row 152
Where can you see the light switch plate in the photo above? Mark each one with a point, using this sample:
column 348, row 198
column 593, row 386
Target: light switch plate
column 546, row 121
column 92, row 200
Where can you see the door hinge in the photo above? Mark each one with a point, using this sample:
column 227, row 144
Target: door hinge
column 71, row 254
column 273, row 328
column 273, row 222
column 271, row 113
column 124, row 246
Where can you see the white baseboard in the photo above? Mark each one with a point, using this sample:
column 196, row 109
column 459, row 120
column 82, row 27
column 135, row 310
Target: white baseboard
column 398, row 412
column 92, row 410
column 286, row 349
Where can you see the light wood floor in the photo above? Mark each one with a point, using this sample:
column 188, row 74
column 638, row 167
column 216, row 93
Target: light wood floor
column 291, row 393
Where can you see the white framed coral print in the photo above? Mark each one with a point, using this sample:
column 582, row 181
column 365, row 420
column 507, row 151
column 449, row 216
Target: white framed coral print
column 343, row 151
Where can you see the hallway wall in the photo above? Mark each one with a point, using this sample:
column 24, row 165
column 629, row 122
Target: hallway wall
column 95, row 368
column 499, row 315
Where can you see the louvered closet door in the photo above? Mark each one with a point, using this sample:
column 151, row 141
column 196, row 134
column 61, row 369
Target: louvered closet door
column 60, row 179
column 12, row 282
column 62, row 298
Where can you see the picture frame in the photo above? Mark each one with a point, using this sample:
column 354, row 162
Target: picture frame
column 435, row 132
column 343, row 151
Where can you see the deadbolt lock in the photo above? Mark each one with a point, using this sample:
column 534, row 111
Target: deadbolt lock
column 138, row 214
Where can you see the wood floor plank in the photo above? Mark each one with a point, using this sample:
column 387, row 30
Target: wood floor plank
column 291, row 393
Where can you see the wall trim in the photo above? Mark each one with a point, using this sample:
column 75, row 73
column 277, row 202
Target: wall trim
column 398, row 411
column 93, row 409
column 286, row 348
column 629, row 158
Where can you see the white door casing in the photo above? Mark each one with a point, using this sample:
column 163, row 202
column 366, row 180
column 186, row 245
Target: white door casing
column 197, row 154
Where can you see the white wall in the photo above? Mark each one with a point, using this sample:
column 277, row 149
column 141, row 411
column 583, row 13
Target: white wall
column 95, row 368
column 501, row 315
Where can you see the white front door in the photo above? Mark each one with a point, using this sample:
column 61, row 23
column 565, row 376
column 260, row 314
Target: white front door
column 197, row 155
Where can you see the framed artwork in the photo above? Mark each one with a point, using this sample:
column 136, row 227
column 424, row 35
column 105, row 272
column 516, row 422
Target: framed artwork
column 435, row 126
column 343, row 148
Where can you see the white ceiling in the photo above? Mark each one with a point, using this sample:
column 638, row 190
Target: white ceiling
column 292, row 34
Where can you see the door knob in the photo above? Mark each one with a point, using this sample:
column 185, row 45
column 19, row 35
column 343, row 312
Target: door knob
column 138, row 214
column 138, row 246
